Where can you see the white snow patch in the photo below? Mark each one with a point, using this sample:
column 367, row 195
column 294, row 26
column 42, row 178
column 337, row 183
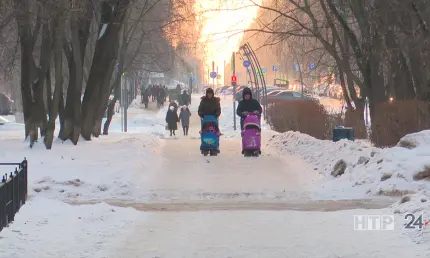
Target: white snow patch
column 369, row 170
column 48, row 228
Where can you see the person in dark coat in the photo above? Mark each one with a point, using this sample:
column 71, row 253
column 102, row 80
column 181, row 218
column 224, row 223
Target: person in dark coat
column 165, row 93
column 174, row 105
column 145, row 97
column 209, row 105
column 185, row 99
column 160, row 97
column 184, row 117
column 142, row 92
column 172, row 120
column 247, row 105
column 154, row 92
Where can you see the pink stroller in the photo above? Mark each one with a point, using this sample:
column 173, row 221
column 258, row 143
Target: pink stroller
column 251, row 136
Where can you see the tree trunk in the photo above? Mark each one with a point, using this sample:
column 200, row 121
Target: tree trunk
column 58, row 91
column 27, row 67
column 80, row 27
column 105, row 55
column 111, row 106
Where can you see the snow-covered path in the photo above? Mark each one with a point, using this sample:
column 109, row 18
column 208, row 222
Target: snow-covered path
column 186, row 205
column 223, row 223
column 249, row 234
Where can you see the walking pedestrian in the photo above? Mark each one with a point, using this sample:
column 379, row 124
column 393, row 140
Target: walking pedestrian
column 172, row 120
column 184, row 117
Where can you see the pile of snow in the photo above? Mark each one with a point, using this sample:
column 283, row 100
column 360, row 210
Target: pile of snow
column 356, row 168
column 108, row 167
column 71, row 231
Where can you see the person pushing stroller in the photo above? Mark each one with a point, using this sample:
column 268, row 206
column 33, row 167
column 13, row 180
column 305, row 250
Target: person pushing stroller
column 209, row 105
column 247, row 105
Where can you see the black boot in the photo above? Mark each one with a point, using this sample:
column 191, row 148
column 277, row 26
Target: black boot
column 171, row 132
column 186, row 130
column 174, row 133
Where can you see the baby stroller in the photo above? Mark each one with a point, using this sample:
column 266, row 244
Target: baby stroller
column 209, row 136
column 251, row 135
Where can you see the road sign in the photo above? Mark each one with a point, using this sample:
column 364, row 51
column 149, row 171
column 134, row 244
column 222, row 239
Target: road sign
column 246, row 63
column 311, row 66
column 296, row 67
column 233, row 78
column 213, row 75
column 264, row 70
column 192, row 78
column 275, row 68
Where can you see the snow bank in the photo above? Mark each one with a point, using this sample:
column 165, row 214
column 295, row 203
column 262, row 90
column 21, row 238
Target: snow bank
column 102, row 168
column 368, row 170
column 47, row 228
column 107, row 167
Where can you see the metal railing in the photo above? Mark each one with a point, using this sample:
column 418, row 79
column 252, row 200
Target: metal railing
column 13, row 192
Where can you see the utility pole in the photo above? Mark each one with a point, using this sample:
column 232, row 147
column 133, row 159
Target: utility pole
column 217, row 80
column 225, row 83
column 213, row 70
column 233, row 70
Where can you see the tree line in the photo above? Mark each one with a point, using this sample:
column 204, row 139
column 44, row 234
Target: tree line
column 379, row 48
column 70, row 56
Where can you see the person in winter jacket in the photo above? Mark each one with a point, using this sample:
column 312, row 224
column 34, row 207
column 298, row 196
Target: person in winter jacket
column 145, row 97
column 172, row 120
column 165, row 93
column 161, row 96
column 154, row 92
column 209, row 105
column 184, row 117
column 247, row 105
column 185, row 99
column 142, row 92
column 174, row 105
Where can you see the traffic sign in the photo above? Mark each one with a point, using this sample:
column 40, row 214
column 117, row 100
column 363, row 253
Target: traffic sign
column 275, row 68
column 264, row 70
column 213, row 75
column 233, row 78
column 246, row 63
column 192, row 78
column 311, row 66
column 296, row 67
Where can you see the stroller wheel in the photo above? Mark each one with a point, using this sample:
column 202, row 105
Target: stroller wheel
column 205, row 153
column 214, row 153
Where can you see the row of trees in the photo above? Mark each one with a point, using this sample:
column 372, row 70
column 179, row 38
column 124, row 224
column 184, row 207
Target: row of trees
column 380, row 46
column 71, row 54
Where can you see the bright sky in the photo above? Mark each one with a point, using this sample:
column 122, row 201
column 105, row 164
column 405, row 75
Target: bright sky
column 224, row 23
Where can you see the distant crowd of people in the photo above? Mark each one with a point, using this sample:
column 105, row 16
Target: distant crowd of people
column 155, row 93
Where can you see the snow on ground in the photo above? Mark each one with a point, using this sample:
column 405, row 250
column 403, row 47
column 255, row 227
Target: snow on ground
column 369, row 171
column 52, row 229
column 104, row 168
column 113, row 167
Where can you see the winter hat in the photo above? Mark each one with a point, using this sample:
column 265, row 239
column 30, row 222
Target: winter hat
column 209, row 90
column 247, row 91
column 171, row 108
